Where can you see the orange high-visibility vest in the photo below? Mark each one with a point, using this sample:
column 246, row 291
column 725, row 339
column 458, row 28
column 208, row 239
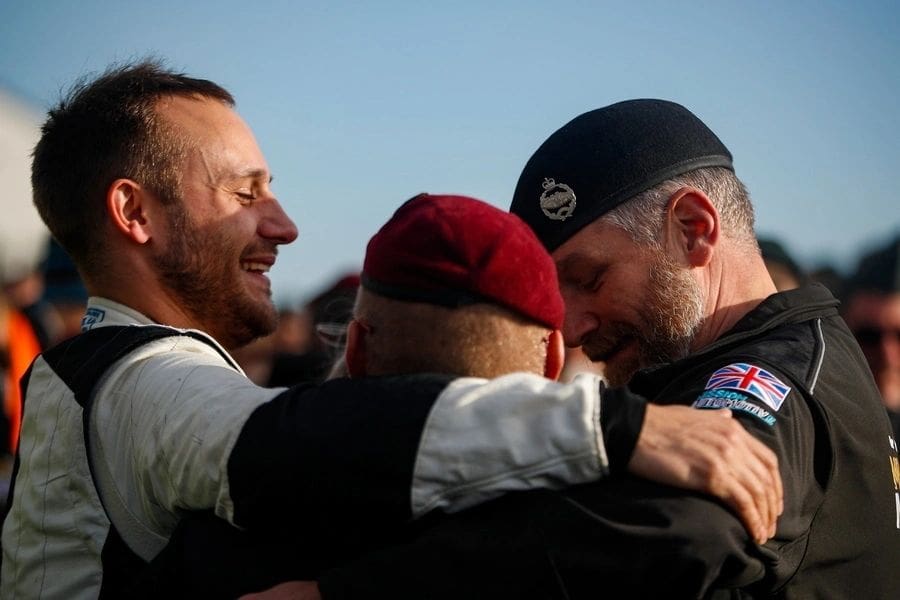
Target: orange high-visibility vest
column 22, row 347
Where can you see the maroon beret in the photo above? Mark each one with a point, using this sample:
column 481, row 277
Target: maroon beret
column 453, row 251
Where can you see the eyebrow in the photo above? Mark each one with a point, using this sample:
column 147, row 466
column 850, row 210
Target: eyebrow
column 255, row 174
column 574, row 266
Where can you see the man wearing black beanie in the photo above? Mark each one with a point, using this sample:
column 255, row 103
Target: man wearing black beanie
column 663, row 281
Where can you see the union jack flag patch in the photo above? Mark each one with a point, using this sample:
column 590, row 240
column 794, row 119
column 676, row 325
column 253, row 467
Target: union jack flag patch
column 751, row 380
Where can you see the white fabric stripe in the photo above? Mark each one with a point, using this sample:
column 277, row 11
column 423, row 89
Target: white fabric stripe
column 54, row 533
column 897, row 503
column 484, row 438
column 821, row 358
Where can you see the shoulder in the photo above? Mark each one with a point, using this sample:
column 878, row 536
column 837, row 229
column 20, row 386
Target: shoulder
column 791, row 349
column 179, row 370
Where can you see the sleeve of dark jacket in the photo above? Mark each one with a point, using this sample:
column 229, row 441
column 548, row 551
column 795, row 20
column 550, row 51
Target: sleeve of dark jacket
column 649, row 541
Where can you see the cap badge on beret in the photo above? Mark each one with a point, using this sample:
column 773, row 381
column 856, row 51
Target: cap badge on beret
column 557, row 200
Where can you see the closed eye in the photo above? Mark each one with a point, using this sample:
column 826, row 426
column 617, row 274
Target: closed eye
column 581, row 273
column 593, row 284
column 593, row 279
column 246, row 196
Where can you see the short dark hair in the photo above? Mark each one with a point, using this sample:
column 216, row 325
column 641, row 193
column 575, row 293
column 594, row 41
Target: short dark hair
column 102, row 130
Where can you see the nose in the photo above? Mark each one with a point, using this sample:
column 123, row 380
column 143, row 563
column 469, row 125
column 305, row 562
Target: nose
column 276, row 225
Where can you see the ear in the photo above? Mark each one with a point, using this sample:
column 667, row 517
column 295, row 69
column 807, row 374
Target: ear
column 355, row 352
column 556, row 355
column 692, row 226
column 127, row 205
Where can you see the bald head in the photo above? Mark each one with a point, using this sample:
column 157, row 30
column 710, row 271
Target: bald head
column 478, row 340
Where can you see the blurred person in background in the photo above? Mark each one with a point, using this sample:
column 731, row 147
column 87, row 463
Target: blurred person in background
column 872, row 310
column 19, row 344
column 306, row 342
column 64, row 294
column 786, row 274
column 295, row 331
column 26, row 294
column 830, row 276
column 21, row 284
column 326, row 314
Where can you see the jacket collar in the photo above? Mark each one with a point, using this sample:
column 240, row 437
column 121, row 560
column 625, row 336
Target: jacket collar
column 791, row 306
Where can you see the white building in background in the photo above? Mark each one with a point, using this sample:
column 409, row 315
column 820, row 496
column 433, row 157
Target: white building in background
column 23, row 236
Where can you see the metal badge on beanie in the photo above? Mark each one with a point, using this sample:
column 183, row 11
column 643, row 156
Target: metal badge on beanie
column 557, row 200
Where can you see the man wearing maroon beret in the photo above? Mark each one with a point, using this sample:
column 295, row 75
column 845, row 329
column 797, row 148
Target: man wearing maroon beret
column 652, row 235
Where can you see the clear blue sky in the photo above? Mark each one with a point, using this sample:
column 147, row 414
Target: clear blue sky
column 360, row 105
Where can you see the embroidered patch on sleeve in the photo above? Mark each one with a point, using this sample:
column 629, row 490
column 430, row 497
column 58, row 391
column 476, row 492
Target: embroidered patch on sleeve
column 734, row 401
column 752, row 380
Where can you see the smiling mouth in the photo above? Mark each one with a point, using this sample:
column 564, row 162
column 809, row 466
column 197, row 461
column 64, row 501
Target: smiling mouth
column 256, row 267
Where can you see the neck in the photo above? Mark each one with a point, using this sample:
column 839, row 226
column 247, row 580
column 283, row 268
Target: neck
column 136, row 285
column 734, row 285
